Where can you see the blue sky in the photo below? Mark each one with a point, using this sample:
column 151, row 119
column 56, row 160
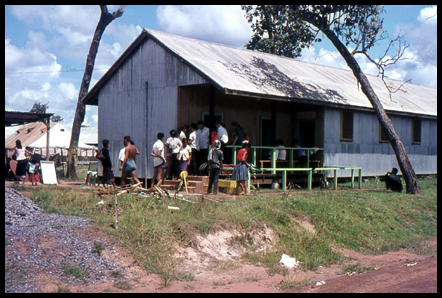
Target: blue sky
column 46, row 46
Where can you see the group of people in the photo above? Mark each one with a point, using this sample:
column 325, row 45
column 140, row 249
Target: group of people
column 127, row 162
column 187, row 152
column 181, row 153
column 23, row 164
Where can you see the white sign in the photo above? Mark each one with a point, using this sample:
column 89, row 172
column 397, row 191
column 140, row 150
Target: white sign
column 48, row 172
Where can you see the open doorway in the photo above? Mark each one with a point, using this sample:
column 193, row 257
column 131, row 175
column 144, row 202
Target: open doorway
column 265, row 136
column 306, row 132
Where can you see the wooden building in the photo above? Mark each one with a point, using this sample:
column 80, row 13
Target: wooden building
column 163, row 81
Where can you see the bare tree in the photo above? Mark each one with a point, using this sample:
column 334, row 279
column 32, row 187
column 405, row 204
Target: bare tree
column 105, row 19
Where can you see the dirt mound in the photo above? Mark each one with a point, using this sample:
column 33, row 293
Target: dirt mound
column 224, row 245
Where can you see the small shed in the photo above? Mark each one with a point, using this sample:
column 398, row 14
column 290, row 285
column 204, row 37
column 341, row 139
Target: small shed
column 34, row 135
column 163, row 81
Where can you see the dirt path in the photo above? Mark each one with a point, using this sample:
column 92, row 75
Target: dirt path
column 420, row 276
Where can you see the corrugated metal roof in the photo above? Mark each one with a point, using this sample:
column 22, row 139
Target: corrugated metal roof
column 250, row 73
column 15, row 117
column 89, row 135
column 27, row 134
column 246, row 71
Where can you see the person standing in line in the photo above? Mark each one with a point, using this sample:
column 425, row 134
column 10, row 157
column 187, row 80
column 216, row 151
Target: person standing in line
column 240, row 171
column 224, row 138
column 22, row 161
column 239, row 135
column 183, row 132
column 185, row 155
column 128, row 166
column 121, row 154
column 194, row 145
column 106, row 162
column 215, row 163
column 174, row 145
column 203, row 141
column 159, row 162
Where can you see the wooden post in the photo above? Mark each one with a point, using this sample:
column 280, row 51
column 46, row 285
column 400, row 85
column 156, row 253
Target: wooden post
column 273, row 165
column 291, row 160
column 352, row 178
column 360, row 178
column 335, row 179
column 116, row 212
column 310, row 180
column 48, row 126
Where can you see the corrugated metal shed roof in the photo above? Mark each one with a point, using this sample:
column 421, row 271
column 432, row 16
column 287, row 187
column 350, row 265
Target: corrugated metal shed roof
column 27, row 134
column 89, row 135
column 15, row 117
column 250, row 73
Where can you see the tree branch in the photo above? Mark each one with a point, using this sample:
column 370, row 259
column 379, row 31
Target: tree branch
column 119, row 12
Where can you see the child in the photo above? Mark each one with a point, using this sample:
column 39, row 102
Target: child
column 33, row 170
column 240, row 172
column 185, row 155
column 215, row 163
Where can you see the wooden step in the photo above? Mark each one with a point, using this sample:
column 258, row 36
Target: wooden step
column 195, row 184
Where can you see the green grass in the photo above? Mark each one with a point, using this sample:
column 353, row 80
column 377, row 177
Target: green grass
column 374, row 221
column 123, row 285
column 98, row 247
column 72, row 269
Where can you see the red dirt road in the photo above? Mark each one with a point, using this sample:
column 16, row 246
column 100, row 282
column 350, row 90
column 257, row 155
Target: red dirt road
column 395, row 277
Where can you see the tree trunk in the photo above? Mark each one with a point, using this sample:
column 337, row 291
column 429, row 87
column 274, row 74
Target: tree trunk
column 105, row 19
column 397, row 145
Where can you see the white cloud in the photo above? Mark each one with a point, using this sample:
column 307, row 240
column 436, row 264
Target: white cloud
column 224, row 24
column 419, row 62
column 421, row 67
column 32, row 73
column 428, row 15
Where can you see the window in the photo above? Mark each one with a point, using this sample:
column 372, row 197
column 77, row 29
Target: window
column 347, row 126
column 382, row 135
column 416, row 127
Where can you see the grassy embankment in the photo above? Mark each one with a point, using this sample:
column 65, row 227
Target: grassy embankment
column 373, row 221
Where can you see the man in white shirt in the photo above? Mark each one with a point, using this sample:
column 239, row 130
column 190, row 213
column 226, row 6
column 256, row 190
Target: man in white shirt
column 224, row 138
column 159, row 162
column 222, row 134
column 174, row 144
column 193, row 143
column 203, row 142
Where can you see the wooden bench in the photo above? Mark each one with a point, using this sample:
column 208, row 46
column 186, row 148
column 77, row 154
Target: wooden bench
column 230, row 186
column 277, row 162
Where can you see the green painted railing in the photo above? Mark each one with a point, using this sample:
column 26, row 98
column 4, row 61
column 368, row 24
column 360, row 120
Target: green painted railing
column 308, row 169
column 290, row 154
